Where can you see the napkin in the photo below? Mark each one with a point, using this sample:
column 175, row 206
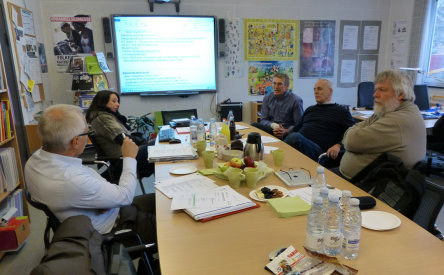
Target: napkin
column 289, row 206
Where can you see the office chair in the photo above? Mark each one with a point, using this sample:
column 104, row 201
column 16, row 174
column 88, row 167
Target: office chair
column 167, row 116
column 422, row 97
column 365, row 95
column 80, row 249
column 52, row 223
column 431, row 203
column 116, row 165
column 435, row 147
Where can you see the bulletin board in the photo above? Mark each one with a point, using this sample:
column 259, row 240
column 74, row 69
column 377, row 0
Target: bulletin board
column 27, row 55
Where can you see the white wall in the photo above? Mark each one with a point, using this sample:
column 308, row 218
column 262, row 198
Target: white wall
column 233, row 88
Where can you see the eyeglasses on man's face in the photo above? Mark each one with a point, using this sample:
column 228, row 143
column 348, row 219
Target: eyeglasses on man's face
column 86, row 134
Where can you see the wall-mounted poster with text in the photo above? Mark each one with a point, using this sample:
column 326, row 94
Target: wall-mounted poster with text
column 271, row 39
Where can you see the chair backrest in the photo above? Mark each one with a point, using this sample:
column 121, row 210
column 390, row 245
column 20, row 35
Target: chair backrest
column 167, row 116
column 365, row 94
column 438, row 129
column 421, row 97
column 52, row 223
column 393, row 183
column 431, row 203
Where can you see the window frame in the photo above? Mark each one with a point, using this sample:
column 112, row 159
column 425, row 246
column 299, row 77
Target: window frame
column 431, row 80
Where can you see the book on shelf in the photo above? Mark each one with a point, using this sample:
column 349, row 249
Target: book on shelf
column 85, row 100
column 5, row 120
column 82, row 82
column 100, row 82
column 92, row 65
column 76, row 64
column 8, row 165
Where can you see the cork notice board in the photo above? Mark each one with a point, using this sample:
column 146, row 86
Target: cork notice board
column 26, row 52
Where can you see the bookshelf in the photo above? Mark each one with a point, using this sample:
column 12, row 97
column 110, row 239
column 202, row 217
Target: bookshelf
column 256, row 109
column 10, row 184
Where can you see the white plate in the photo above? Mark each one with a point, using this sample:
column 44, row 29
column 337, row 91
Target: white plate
column 183, row 170
column 379, row 220
column 254, row 196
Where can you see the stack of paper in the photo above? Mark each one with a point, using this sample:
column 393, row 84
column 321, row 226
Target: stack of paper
column 202, row 199
column 169, row 152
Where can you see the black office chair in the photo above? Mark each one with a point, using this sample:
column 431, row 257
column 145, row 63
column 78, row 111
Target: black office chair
column 116, row 165
column 365, row 95
column 435, row 148
column 79, row 249
column 431, row 203
column 167, row 116
column 422, row 97
column 52, row 222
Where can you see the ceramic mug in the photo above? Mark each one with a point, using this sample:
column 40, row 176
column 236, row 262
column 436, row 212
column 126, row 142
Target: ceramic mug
column 201, row 145
column 208, row 157
column 234, row 177
column 278, row 157
column 251, row 176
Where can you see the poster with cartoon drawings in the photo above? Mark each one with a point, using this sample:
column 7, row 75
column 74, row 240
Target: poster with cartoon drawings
column 260, row 75
column 317, row 48
column 72, row 35
column 271, row 39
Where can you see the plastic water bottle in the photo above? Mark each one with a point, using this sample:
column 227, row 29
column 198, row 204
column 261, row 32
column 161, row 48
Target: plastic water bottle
column 345, row 200
column 315, row 226
column 324, row 195
column 193, row 130
column 351, row 231
column 200, row 129
column 318, row 182
column 438, row 109
column 333, row 227
column 213, row 132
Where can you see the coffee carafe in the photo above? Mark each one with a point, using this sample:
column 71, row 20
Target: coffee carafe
column 254, row 147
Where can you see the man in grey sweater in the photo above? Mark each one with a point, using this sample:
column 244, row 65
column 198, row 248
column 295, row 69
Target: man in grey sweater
column 396, row 127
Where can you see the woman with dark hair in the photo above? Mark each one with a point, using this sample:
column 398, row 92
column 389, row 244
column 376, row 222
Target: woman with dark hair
column 110, row 128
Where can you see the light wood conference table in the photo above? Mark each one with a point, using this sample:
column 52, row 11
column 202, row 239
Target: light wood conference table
column 240, row 243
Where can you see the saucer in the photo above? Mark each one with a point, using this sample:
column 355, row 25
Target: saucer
column 379, row 220
column 183, row 170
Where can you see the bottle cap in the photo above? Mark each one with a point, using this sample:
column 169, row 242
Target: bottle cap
column 354, row 202
column 324, row 190
column 320, row 169
column 318, row 200
column 346, row 193
column 333, row 197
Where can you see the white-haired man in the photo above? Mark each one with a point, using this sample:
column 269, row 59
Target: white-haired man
column 56, row 177
column 396, row 127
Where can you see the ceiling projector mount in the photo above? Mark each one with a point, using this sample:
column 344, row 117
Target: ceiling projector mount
column 152, row 2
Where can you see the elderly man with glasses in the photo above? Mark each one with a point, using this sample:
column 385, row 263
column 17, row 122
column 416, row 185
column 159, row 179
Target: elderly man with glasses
column 56, row 177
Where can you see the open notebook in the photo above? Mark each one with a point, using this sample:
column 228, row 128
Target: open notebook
column 202, row 199
column 169, row 152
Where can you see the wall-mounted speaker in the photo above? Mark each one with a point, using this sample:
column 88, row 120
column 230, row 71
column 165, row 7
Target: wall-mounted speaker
column 108, row 37
column 221, row 26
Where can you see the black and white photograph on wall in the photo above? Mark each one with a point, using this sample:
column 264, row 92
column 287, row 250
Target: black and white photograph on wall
column 42, row 55
column 72, row 35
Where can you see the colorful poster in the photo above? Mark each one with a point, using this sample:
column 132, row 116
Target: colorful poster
column 271, row 39
column 72, row 35
column 260, row 75
column 317, row 44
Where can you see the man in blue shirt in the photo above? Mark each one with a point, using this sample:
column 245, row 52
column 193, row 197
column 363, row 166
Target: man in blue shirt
column 322, row 126
column 281, row 109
